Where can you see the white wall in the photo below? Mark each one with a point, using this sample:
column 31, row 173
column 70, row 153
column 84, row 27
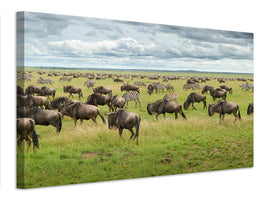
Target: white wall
column 229, row 15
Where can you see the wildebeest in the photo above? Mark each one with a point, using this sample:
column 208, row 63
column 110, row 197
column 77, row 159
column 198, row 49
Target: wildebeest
column 33, row 90
column 81, row 111
column 127, row 87
column 47, row 91
column 26, row 129
column 215, row 93
column 250, row 109
column 42, row 102
column 123, row 119
column 65, row 78
column 58, row 101
column 223, row 107
column 207, row 88
column 227, row 88
column 20, row 90
column 24, row 100
column 73, row 90
column 42, row 117
column 194, row 97
column 102, row 90
column 99, row 99
column 150, row 89
column 117, row 102
column 162, row 107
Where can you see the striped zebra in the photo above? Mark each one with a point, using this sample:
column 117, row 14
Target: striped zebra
column 132, row 96
column 159, row 86
column 171, row 97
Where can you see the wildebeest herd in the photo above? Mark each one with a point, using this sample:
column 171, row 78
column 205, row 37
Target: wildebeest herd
column 38, row 105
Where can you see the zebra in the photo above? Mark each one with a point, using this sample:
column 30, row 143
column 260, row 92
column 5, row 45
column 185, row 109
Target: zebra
column 159, row 86
column 170, row 97
column 132, row 96
column 89, row 83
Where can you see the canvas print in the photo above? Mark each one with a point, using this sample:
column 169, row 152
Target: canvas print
column 102, row 100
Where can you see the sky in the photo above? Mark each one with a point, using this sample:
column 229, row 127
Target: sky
column 82, row 42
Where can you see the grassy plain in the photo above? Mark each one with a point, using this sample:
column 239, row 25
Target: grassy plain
column 91, row 153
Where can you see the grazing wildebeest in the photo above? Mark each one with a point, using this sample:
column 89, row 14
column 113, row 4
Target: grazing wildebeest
column 194, row 97
column 215, row 93
column 81, row 111
column 150, row 89
column 118, row 80
column 102, row 90
column 89, row 83
column 127, row 87
column 250, row 109
column 227, row 88
column 218, row 93
column 123, row 119
column 132, row 96
column 73, row 90
column 189, row 86
column 99, row 99
column 162, row 107
column 170, row 97
column 47, row 91
column 117, row 102
column 42, row 117
column 33, row 90
column 223, row 107
column 26, row 129
column 207, row 88
column 42, row 102
column 55, row 104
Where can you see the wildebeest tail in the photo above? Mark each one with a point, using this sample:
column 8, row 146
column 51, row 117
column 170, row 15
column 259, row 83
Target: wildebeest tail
column 103, row 119
column 59, row 123
column 182, row 113
column 137, row 128
column 238, row 110
column 34, row 136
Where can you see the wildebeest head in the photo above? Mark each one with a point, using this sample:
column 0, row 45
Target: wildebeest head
column 209, row 110
column 186, row 105
column 111, row 120
column 68, row 109
column 149, row 108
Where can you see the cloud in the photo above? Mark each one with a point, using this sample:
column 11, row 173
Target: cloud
column 91, row 41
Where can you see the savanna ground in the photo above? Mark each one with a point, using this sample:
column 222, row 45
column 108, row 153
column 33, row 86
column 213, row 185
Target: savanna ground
column 91, row 153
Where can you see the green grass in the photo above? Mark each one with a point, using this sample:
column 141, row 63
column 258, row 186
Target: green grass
column 91, row 153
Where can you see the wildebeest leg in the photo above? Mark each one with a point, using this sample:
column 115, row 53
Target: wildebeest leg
column 235, row 114
column 75, row 121
column 20, row 142
column 131, row 130
column 176, row 116
column 220, row 118
column 157, row 115
column 164, row 115
column 28, row 142
column 193, row 106
column 120, row 133
column 94, row 120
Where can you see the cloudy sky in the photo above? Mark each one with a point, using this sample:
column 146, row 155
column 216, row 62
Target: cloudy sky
column 68, row 41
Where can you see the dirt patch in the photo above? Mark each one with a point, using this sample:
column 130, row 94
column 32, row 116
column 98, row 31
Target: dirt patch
column 87, row 154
